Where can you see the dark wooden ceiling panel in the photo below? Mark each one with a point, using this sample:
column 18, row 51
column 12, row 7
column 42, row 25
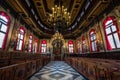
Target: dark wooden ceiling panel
column 41, row 13
column 43, row 8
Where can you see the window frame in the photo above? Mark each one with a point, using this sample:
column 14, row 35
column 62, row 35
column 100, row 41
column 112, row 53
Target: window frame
column 30, row 43
column 21, row 28
column 93, row 41
column 69, row 46
column 114, row 23
column 2, row 13
column 43, row 42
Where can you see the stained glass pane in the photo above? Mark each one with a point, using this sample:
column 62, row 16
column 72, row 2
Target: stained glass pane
column 4, row 18
column 21, row 31
column 2, row 36
column 35, row 47
column 70, row 45
column 30, row 37
column 30, row 41
column 21, row 36
column 91, row 38
column 108, row 31
column 84, row 42
column 111, row 41
column 113, row 28
column 30, row 46
column 20, row 45
column 94, row 37
column 3, row 28
column 93, row 46
column 43, row 49
column 43, row 44
column 117, row 41
column 108, row 22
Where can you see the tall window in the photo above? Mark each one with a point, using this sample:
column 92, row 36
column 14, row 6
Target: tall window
column 70, row 46
column 4, row 23
column 83, row 45
column 111, row 33
column 30, row 43
column 43, row 46
column 20, row 39
column 35, row 46
column 93, row 39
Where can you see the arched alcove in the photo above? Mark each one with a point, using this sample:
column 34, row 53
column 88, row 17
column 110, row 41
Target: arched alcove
column 57, row 49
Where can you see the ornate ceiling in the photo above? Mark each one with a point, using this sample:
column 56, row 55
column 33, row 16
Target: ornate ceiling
column 44, row 8
column 36, row 14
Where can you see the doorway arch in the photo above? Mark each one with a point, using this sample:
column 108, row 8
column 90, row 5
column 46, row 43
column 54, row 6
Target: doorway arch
column 57, row 49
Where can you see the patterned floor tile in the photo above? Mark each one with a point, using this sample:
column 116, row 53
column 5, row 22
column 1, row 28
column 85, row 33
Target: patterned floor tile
column 57, row 70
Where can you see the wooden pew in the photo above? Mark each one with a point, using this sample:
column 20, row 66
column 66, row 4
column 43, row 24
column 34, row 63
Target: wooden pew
column 96, row 69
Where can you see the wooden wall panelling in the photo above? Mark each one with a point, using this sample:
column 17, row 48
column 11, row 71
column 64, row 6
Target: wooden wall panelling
column 20, row 71
column 7, row 73
column 4, row 58
column 33, row 66
column 17, row 57
column 28, row 69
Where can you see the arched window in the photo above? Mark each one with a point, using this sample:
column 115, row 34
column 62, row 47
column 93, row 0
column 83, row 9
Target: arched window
column 70, row 46
column 43, row 46
column 35, row 46
column 30, row 43
column 4, row 27
column 93, row 40
column 111, row 33
column 20, row 39
column 83, row 45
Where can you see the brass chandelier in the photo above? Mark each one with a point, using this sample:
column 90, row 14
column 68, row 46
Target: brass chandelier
column 60, row 16
column 57, row 36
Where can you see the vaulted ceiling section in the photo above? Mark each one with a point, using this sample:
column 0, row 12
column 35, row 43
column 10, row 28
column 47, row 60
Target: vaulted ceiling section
column 36, row 14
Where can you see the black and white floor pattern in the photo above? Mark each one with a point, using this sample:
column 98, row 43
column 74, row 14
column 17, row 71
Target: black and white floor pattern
column 57, row 70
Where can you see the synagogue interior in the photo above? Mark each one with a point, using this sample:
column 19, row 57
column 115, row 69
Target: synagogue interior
column 59, row 39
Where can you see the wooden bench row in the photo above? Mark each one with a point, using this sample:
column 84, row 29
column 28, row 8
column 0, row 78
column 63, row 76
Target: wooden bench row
column 9, row 58
column 96, row 69
column 22, row 71
column 103, row 55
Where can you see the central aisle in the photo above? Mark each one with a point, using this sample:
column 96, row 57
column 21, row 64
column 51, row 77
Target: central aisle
column 57, row 70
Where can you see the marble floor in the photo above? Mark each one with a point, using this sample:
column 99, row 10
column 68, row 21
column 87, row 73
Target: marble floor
column 57, row 70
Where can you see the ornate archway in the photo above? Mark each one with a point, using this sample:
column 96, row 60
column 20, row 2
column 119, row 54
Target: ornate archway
column 57, row 49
